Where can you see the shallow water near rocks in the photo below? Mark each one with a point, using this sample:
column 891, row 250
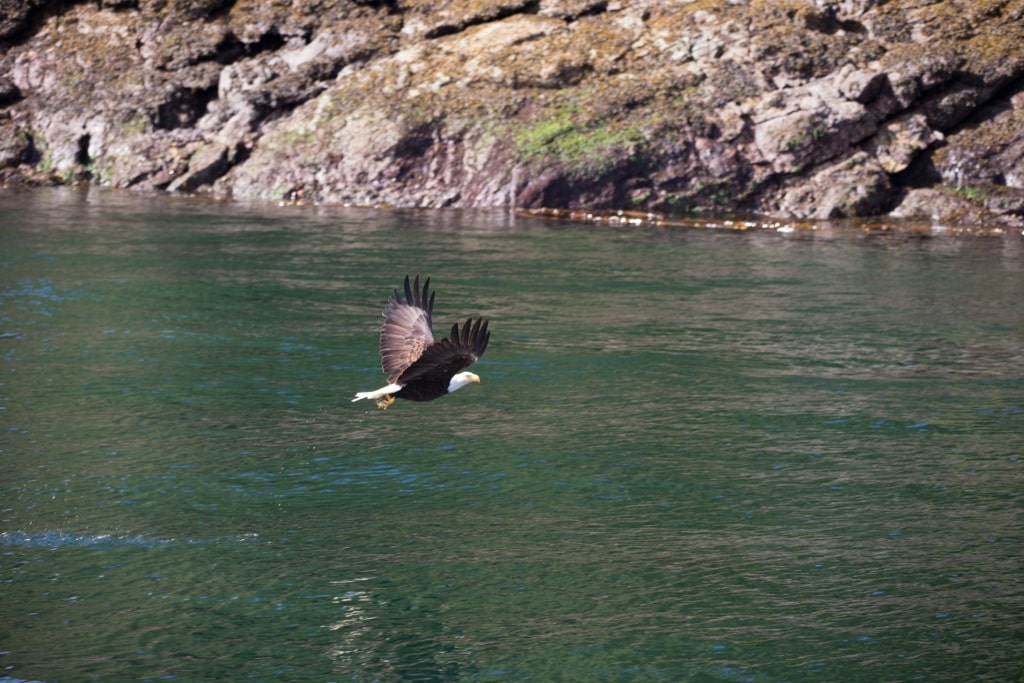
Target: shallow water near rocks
column 694, row 455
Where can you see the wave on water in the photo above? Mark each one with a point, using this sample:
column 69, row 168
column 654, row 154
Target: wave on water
column 60, row 539
column 63, row 539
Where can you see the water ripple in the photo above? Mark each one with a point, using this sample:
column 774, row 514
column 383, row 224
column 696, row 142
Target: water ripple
column 59, row 539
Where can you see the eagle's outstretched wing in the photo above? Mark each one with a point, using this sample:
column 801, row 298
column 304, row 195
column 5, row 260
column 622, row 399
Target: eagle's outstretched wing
column 448, row 356
column 407, row 330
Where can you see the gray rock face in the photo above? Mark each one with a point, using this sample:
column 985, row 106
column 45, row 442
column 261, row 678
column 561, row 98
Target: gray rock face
column 803, row 109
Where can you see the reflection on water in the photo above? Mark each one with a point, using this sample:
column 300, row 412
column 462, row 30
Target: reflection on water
column 694, row 455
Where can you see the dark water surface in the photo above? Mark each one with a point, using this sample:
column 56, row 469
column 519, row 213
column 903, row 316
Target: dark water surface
column 694, row 455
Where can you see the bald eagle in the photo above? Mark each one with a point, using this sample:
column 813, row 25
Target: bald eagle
column 419, row 368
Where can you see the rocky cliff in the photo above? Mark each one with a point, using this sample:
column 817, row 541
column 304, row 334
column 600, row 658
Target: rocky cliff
column 805, row 109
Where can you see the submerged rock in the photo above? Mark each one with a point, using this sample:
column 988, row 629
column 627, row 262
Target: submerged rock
column 806, row 109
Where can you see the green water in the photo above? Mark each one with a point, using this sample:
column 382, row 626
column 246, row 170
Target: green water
column 693, row 456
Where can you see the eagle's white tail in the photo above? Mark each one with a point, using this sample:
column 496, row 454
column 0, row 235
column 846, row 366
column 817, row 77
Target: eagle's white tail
column 383, row 391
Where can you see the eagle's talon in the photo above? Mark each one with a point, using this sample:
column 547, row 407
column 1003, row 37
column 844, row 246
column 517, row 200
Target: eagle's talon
column 384, row 401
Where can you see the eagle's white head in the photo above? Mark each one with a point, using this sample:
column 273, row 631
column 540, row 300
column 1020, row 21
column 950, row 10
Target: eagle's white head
column 462, row 379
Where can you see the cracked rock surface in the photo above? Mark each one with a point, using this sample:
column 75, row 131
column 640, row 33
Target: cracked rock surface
column 823, row 109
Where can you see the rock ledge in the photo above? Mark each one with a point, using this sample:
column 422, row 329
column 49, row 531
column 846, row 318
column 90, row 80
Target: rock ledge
column 807, row 110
